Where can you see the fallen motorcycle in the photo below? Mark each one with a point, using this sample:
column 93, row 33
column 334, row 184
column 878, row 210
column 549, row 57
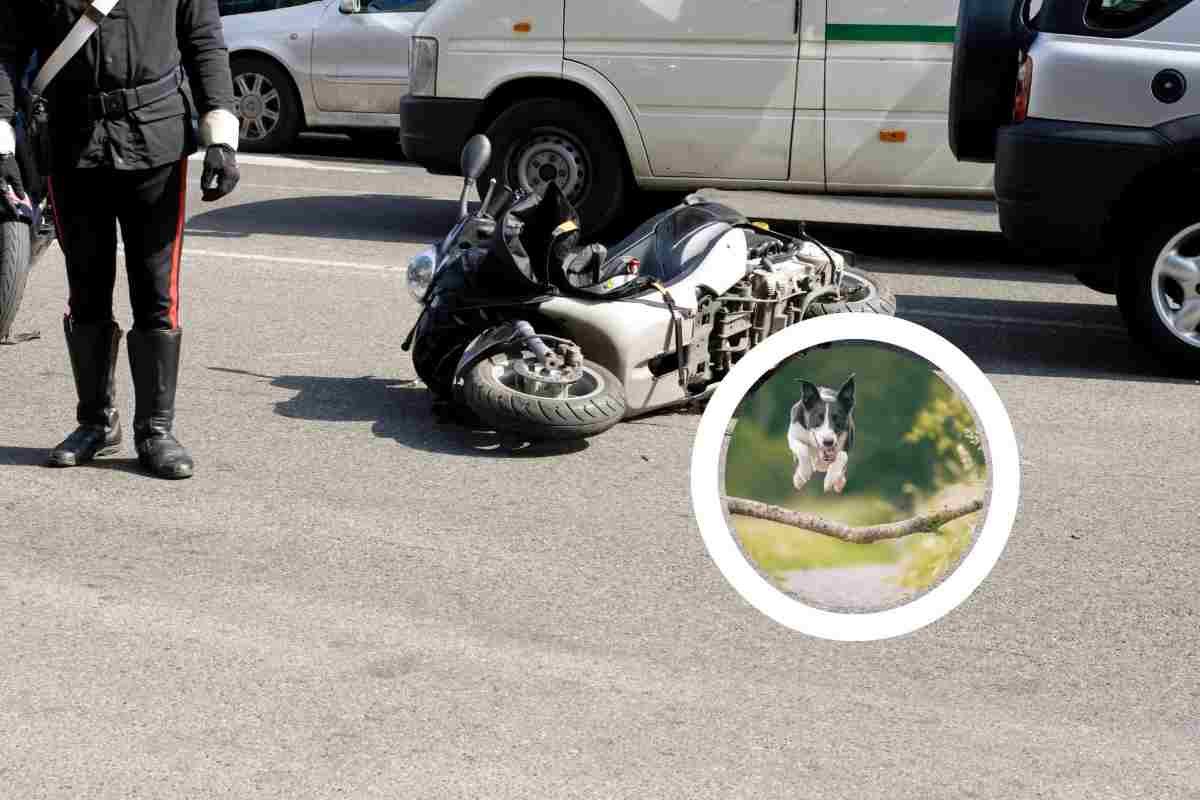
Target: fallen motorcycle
column 546, row 338
column 26, row 230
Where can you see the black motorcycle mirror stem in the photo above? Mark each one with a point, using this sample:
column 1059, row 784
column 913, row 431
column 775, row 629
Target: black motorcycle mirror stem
column 476, row 155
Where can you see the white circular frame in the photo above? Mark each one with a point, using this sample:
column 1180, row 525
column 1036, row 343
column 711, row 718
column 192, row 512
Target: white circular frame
column 999, row 514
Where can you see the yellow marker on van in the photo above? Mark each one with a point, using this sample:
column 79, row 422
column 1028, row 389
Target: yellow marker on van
column 524, row 26
column 893, row 136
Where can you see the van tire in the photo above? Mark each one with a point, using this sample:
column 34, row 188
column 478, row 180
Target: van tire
column 983, row 77
column 563, row 129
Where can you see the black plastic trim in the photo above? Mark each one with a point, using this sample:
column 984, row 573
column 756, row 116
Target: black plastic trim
column 434, row 130
column 1057, row 182
column 1070, row 17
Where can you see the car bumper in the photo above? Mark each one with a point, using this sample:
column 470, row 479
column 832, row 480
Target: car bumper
column 1057, row 183
column 434, row 130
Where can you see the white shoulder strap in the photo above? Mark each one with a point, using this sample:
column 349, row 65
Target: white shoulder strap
column 93, row 14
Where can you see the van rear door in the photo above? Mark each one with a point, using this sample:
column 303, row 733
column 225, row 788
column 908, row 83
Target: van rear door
column 712, row 83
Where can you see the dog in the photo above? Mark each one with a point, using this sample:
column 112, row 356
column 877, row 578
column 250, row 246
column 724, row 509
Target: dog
column 821, row 433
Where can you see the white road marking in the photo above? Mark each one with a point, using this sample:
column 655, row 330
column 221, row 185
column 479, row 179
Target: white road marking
column 1007, row 320
column 314, row 262
column 303, row 262
column 297, row 163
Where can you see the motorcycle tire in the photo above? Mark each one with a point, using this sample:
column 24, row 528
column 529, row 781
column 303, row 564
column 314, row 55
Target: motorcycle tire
column 864, row 294
column 15, row 263
column 983, row 77
column 544, row 418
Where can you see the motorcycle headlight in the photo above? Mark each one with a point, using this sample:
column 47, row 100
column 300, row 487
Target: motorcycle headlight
column 422, row 66
column 420, row 273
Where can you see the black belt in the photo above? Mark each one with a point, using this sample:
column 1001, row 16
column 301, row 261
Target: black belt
column 118, row 103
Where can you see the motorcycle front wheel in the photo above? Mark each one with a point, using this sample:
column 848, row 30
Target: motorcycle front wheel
column 15, row 261
column 592, row 405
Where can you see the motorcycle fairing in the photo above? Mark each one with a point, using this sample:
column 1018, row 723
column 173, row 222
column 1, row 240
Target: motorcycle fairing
column 534, row 236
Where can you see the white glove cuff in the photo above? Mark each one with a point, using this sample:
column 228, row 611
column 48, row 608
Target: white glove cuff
column 219, row 127
column 8, row 139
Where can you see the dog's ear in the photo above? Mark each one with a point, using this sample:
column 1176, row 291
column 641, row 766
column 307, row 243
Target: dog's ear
column 810, row 395
column 846, row 393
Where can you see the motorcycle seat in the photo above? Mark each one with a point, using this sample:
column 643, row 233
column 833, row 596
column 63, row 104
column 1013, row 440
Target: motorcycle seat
column 667, row 247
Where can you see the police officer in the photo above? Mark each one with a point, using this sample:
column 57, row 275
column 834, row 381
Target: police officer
column 121, row 133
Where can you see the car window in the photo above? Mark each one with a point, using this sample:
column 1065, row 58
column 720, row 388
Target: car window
column 1118, row 14
column 394, row 6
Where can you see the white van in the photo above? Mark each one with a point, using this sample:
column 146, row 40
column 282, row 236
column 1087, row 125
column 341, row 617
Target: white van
column 605, row 95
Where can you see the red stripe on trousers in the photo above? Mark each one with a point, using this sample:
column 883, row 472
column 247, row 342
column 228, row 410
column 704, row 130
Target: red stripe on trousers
column 58, row 229
column 177, row 248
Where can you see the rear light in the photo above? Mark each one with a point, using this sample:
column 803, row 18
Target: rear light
column 1024, row 84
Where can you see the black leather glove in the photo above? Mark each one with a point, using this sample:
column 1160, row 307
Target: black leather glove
column 220, row 174
column 10, row 172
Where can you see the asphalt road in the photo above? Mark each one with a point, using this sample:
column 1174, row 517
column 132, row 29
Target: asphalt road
column 351, row 600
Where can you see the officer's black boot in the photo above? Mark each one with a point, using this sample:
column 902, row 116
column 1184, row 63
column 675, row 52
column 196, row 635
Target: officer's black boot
column 154, row 360
column 93, row 350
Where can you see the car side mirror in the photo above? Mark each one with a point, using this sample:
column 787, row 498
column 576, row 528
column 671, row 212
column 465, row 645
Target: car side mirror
column 475, row 157
column 350, row 6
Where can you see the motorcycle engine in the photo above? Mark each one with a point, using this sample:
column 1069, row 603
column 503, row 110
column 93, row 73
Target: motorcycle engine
column 772, row 296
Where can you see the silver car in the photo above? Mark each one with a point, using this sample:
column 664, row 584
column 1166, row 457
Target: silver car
column 337, row 65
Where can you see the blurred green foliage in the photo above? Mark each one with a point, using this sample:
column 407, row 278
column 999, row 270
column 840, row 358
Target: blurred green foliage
column 891, row 388
column 916, row 449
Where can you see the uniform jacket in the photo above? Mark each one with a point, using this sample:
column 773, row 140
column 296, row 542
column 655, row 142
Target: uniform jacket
column 139, row 43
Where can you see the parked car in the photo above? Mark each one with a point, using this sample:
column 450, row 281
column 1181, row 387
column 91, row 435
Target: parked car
column 603, row 97
column 319, row 64
column 1090, row 112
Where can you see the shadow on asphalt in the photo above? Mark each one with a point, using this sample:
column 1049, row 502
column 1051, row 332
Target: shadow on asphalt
column 401, row 410
column 36, row 457
column 371, row 217
column 23, row 456
column 1057, row 340
column 940, row 253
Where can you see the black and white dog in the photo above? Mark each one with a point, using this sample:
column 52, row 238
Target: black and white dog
column 821, row 433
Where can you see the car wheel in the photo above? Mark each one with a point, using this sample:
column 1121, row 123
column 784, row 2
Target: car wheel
column 542, row 140
column 1159, row 294
column 265, row 104
column 983, row 77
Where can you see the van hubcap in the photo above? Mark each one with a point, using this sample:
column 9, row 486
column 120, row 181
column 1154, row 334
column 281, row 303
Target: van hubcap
column 553, row 156
column 256, row 102
column 1175, row 285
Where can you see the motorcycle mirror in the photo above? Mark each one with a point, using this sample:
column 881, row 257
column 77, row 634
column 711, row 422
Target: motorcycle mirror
column 476, row 155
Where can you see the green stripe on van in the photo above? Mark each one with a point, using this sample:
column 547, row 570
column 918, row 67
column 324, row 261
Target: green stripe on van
column 932, row 34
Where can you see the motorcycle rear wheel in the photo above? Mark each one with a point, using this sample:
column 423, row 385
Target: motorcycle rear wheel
column 490, row 396
column 862, row 293
column 15, row 263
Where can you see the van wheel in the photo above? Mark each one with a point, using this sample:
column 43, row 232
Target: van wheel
column 547, row 139
column 983, row 77
column 266, row 106
column 1159, row 295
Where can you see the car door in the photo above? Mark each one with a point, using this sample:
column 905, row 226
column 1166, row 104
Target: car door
column 712, row 83
column 360, row 58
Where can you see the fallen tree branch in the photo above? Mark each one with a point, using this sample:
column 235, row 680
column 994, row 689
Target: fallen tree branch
column 875, row 533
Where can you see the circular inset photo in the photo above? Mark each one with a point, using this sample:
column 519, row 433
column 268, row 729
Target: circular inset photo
column 855, row 477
